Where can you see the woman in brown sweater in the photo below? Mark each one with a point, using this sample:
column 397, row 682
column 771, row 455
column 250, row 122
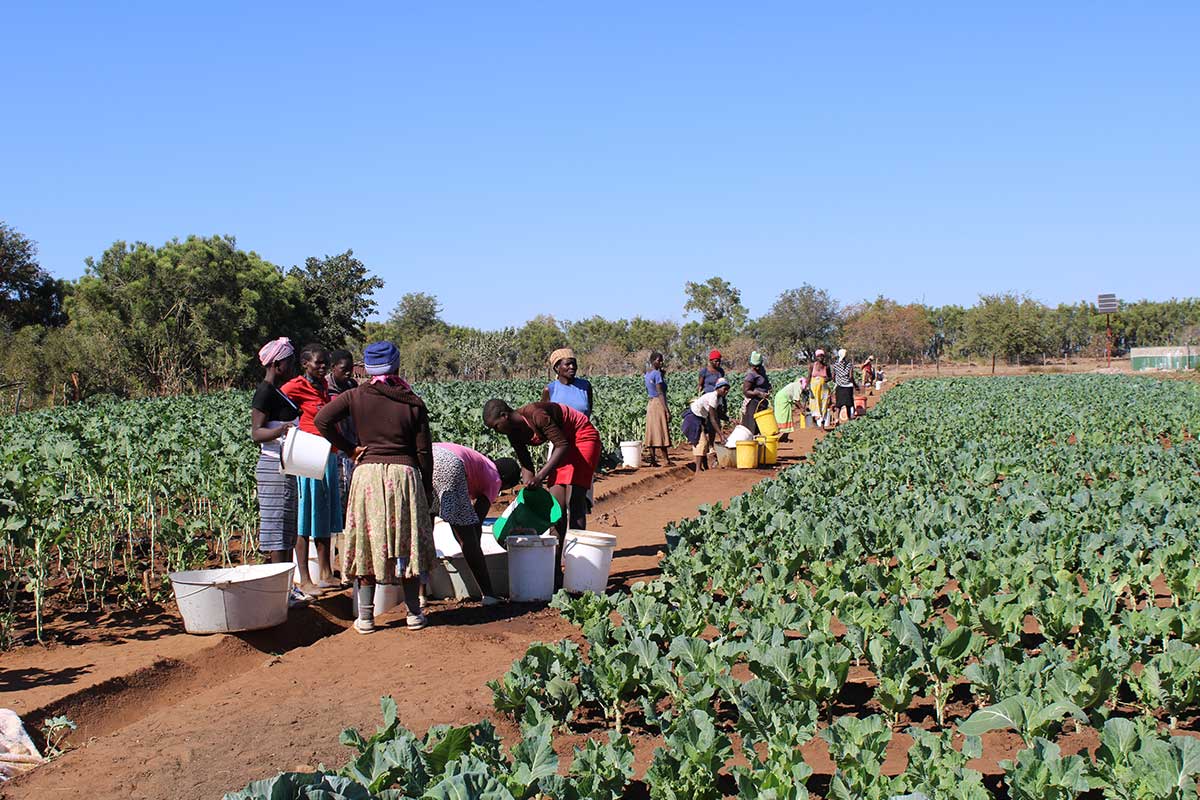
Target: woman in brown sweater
column 389, row 529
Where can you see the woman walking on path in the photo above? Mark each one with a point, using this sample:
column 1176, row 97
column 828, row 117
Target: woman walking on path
column 844, row 385
column 465, row 484
column 818, row 376
column 658, row 412
column 702, row 424
column 272, row 415
column 756, row 391
column 389, row 527
column 572, row 464
column 320, row 501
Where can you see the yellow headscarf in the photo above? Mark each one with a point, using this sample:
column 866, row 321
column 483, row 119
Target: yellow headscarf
column 561, row 354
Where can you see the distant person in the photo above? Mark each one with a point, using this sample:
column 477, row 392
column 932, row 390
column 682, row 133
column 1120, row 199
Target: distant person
column 572, row 463
column 341, row 379
column 702, row 424
column 868, row 371
column 567, row 388
column 844, row 385
column 792, row 396
column 709, row 374
column 818, row 377
column 756, row 391
column 389, row 526
column 320, row 501
column 658, row 412
column 465, row 484
column 272, row 415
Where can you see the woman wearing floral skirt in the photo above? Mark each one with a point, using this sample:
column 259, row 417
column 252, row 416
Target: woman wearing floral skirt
column 389, row 528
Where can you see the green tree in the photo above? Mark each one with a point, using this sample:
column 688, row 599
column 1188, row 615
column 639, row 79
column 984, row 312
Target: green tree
column 800, row 321
column 28, row 295
column 338, row 294
column 588, row 335
column 719, row 305
column 946, row 323
column 536, row 340
column 1008, row 326
column 888, row 330
column 187, row 313
column 416, row 315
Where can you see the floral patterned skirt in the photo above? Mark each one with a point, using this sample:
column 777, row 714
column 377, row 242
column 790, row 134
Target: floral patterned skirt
column 387, row 522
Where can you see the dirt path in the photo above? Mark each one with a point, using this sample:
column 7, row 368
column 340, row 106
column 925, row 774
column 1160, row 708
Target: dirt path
column 202, row 716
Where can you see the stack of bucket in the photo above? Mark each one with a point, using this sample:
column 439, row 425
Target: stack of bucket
column 766, row 445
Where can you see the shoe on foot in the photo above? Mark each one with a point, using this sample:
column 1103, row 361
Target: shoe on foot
column 416, row 622
column 364, row 625
column 297, row 598
column 488, row 601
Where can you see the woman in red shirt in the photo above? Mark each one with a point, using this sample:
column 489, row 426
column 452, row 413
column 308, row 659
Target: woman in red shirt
column 569, row 469
column 320, row 502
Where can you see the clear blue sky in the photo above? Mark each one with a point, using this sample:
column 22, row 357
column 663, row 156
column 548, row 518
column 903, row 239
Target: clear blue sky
column 925, row 152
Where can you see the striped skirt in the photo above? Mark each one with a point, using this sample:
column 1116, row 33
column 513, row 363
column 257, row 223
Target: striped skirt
column 276, row 506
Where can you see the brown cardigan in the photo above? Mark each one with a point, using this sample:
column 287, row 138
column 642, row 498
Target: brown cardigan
column 392, row 424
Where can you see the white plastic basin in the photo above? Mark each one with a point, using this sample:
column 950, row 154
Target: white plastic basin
column 246, row 598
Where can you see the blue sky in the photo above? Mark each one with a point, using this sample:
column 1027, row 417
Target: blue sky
column 522, row 158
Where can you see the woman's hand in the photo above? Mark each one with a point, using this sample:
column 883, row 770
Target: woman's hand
column 527, row 477
column 359, row 452
column 283, row 429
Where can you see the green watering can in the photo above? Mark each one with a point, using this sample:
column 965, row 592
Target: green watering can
column 534, row 511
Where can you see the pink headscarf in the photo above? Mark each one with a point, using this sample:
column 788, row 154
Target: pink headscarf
column 274, row 351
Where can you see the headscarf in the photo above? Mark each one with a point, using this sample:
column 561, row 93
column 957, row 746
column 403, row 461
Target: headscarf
column 561, row 354
column 841, row 354
column 276, row 350
column 381, row 358
column 819, row 353
column 720, row 383
column 803, row 384
column 714, row 355
column 756, row 359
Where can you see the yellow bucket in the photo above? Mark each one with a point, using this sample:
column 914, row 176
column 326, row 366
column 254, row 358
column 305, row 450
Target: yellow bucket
column 770, row 449
column 747, row 454
column 766, row 423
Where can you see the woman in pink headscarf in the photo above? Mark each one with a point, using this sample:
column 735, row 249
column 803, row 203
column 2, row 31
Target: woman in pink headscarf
column 272, row 414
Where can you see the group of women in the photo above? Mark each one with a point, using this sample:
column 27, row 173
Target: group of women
column 386, row 478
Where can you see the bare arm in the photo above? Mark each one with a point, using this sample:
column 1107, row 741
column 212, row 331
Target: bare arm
column 327, row 420
column 259, row 431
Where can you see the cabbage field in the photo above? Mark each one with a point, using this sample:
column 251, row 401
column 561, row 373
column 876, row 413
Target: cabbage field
column 1003, row 563
column 98, row 501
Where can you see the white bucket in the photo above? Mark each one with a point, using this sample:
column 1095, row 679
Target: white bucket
column 587, row 559
column 245, row 598
column 304, row 454
column 387, row 597
column 879, row 386
column 531, row 568
column 631, row 454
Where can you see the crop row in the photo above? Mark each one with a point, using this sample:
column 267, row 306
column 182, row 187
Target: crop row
column 975, row 556
column 97, row 498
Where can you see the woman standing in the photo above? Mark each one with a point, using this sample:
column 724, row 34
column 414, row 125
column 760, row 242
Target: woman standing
column 341, row 379
column 845, row 384
column 465, row 484
column 756, row 391
column 320, row 502
column 272, row 415
column 818, row 376
column 567, row 388
column 707, row 380
column 658, row 412
column 572, row 464
column 701, row 423
column 389, row 526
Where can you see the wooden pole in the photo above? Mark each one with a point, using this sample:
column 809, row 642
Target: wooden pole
column 1108, row 348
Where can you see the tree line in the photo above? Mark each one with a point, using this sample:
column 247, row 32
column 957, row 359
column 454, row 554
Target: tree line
column 190, row 315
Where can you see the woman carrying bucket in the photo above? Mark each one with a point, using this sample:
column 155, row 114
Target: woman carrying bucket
column 465, row 484
column 272, row 415
column 320, row 501
column 702, row 423
column 572, row 464
column 389, row 528
column 756, row 391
